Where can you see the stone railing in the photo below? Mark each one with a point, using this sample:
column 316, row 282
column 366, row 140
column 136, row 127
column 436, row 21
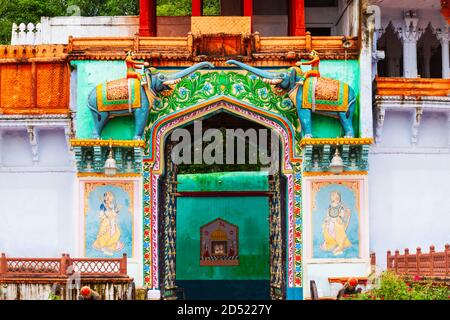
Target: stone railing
column 61, row 267
column 37, row 278
column 29, row 34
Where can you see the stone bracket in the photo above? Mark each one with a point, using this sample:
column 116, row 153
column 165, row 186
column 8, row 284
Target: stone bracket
column 34, row 142
column 380, row 112
column 416, row 117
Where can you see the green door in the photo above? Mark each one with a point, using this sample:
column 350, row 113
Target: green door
column 239, row 199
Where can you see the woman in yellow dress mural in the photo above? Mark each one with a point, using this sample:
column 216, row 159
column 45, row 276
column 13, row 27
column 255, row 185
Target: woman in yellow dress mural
column 335, row 226
column 108, row 236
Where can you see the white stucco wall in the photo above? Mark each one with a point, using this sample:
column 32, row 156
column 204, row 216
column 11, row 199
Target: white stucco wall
column 39, row 203
column 409, row 186
column 36, row 208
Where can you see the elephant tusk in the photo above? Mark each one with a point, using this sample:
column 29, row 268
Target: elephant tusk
column 272, row 81
column 171, row 82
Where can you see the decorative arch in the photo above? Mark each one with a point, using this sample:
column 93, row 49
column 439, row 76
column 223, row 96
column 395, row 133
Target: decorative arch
column 154, row 168
column 163, row 126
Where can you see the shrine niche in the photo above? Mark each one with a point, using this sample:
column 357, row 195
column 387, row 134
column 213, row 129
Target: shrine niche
column 219, row 244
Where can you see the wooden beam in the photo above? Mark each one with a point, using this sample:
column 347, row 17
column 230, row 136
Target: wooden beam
column 412, row 87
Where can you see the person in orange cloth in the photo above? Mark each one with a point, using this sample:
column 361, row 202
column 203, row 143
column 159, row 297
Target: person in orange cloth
column 314, row 63
column 349, row 288
column 132, row 65
column 87, row 293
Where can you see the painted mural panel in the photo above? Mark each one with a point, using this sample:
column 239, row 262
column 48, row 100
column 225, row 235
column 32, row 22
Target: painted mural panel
column 108, row 219
column 248, row 214
column 335, row 218
column 220, row 245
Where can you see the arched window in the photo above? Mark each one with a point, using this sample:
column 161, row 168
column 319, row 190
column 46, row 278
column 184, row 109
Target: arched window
column 392, row 65
column 429, row 55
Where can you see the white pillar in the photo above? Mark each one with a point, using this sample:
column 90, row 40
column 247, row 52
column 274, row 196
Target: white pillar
column 410, row 35
column 367, row 65
column 374, row 27
column 444, row 39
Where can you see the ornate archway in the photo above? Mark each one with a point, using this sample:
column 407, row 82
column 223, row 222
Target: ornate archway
column 155, row 167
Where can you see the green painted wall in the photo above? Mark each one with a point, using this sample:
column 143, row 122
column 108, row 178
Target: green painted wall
column 224, row 181
column 250, row 214
column 347, row 71
column 89, row 74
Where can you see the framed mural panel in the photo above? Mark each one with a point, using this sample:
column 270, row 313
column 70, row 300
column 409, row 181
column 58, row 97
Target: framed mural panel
column 109, row 213
column 219, row 244
column 336, row 216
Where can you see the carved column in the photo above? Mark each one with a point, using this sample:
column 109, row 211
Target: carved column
column 297, row 18
column 197, row 8
column 444, row 37
column 410, row 35
column 147, row 18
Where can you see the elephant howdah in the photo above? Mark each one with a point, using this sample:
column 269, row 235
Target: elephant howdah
column 329, row 95
column 121, row 94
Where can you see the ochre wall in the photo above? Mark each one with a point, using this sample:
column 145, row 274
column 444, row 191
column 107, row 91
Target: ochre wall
column 34, row 80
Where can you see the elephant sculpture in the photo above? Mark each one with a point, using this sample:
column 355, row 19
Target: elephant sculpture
column 322, row 95
column 129, row 96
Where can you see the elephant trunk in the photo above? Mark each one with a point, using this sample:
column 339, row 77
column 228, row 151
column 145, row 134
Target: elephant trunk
column 268, row 77
column 175, row 78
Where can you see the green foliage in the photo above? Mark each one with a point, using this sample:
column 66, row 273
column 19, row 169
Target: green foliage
column 18, row 11
column 184, row 7
column 211, row 7
column 394, row 287
column 173, row 8
column 25, row 11
column 105, row 8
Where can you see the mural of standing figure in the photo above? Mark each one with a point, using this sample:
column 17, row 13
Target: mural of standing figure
column 335, row 226
column 128, row 96
column 108, row 236
column 314, row 93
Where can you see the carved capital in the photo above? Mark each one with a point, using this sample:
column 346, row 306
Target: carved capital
column 443, row 35
column 410, row 33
